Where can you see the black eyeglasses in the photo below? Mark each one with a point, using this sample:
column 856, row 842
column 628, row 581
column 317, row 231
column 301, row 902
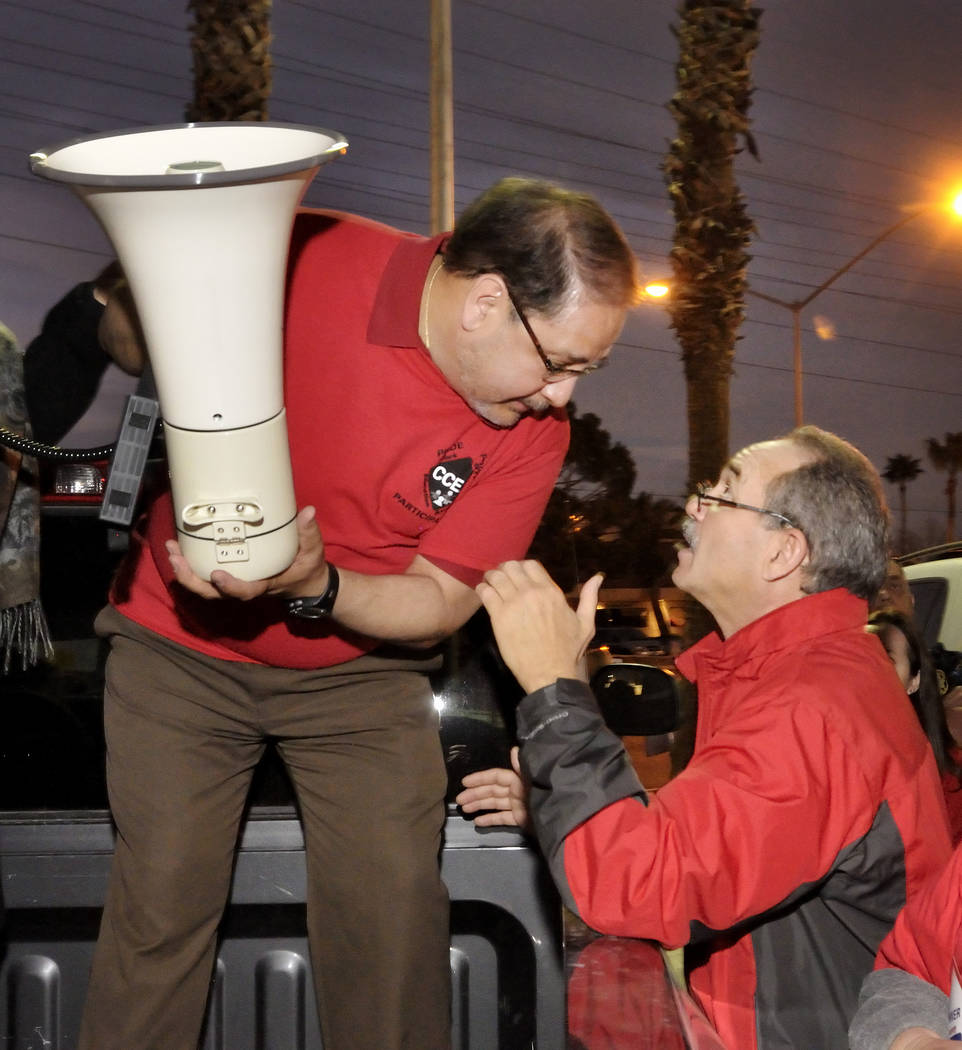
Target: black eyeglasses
column 702, row 495
column 553, row 373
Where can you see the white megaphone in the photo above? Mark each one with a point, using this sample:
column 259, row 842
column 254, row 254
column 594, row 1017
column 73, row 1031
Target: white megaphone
column 200, row 216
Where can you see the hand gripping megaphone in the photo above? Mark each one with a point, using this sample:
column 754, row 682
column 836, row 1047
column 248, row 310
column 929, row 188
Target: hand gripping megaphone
column 200, row 216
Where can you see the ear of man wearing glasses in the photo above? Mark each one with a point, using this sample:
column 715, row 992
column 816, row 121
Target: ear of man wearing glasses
column 811, row 806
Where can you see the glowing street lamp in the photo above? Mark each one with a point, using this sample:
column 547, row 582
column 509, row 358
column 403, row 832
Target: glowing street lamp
column 659, row 289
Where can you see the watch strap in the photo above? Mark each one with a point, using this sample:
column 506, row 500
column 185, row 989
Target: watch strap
column 316, row 608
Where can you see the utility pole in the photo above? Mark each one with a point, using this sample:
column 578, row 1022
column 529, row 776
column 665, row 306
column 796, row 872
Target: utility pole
column 442, row 119
column 797, row 305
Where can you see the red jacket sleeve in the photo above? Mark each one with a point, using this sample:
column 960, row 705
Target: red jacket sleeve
column 925, row 936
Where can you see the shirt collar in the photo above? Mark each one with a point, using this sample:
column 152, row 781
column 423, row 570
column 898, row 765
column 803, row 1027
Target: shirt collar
column 784, row 628
column 395, row 315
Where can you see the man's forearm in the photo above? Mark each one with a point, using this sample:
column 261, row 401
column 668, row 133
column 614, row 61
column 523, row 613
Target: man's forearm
column 575, row 765
column 406, row 609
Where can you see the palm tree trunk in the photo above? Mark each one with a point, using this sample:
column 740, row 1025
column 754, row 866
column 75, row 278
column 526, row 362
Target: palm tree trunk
column 230, row 41
column 712, row 230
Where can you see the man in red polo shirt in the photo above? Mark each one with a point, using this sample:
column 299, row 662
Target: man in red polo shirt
column 425, row 384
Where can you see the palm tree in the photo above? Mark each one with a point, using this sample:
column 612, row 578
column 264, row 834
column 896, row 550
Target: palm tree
column 947, row 455
column 230, row 41
column 900, row 469
column 712, row 230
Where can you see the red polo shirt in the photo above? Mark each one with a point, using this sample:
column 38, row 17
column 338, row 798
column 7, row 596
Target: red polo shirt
column 392, row 458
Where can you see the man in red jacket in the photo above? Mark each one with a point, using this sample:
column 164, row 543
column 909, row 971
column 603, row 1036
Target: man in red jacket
column 811, row 806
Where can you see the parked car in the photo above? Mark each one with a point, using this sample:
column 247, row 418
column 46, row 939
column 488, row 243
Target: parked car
column 626, row 641
column 935, row 577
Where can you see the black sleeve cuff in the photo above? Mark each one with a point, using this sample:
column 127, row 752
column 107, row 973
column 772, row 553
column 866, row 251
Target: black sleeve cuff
column 575, row 765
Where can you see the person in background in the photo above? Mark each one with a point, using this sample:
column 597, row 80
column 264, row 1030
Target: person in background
column 782, row 853
column 910, row 658
column 948, row 670
column 64, row 363
column 938, row 671
column 895, row 592
column 912, row 999
column 24, row 634
column 425, row 385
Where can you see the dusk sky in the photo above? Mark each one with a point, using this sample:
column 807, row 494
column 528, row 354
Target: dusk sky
column 856, row 115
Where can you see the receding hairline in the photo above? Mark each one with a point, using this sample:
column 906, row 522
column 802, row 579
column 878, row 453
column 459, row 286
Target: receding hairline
column 805, row 456
column 584, row 247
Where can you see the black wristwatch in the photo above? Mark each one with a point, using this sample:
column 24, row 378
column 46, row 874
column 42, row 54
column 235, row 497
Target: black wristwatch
column 320, row 607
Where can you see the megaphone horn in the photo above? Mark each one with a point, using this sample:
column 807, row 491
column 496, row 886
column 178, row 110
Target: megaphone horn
column 200, row 216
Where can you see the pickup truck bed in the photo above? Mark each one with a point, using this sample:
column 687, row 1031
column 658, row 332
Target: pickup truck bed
column 506, row 937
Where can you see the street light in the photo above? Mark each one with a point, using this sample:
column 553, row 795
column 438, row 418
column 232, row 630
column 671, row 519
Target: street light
column 797, row 305
column 659, row 289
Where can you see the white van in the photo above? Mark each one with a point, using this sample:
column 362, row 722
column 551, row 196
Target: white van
column 935, row 577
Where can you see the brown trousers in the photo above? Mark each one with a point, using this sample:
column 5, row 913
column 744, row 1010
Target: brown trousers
column 360, row 742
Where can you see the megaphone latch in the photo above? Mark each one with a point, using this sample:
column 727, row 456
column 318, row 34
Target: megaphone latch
column 230, row 542
column 229, row 512
column 226, row 524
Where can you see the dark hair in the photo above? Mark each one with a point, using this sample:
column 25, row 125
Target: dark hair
column 554, row 248
column 836, row 500
column 895, row 592
column 925, row 699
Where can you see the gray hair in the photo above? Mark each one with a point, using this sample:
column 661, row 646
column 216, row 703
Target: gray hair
column 836, row 500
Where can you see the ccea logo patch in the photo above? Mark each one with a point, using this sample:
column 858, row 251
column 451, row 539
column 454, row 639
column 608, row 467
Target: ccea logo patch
column 445, row 481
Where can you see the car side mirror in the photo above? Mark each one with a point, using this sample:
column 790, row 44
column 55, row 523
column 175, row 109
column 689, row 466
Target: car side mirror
column 637, row 700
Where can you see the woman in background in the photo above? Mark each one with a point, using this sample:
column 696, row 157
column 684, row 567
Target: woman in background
column 912, row 663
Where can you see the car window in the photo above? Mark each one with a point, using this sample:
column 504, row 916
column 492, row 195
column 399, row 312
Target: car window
column 930, row 596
